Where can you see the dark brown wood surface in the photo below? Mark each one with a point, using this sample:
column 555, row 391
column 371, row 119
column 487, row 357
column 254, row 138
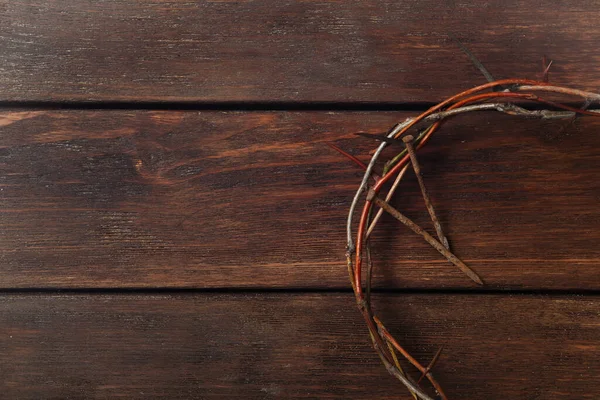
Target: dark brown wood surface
column 271, row 50
column 172, row 219
column 293, row 346
column 215, row 199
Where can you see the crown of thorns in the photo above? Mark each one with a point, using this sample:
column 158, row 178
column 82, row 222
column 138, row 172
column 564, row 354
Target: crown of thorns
column 494, row 95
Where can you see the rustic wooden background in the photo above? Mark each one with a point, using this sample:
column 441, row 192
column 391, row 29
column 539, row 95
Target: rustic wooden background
column 172, row 219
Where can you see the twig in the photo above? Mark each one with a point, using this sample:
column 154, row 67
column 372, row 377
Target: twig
column 407, row 382
column 584, row 106
column 430, row 239
column 378, row 344
column 507, row 108
column 390, row 339
column 397, row 364
column 501, row 107
column 417, row 168
column 369, row 276
column 388, row 196
column 363, row 185
column 545, row 68
column 352, row 158
column 380, row 137
column 435, row 358
column 560, row 89
column 474, row 59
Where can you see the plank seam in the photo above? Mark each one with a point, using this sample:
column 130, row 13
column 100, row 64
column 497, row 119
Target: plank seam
column 449, row 291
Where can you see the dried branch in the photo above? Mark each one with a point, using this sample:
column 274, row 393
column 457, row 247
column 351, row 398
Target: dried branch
column 428, row 238
column 363, row 185
column 474, row 60
column 417, row 168
column 353, row 159
column 390, row 339
column 434, row 360
column 559, row 89
column 387, row 199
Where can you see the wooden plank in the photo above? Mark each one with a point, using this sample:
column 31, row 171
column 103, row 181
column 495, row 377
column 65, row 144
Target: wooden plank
column 251, row 199
column 271, row 50
column 293, row 346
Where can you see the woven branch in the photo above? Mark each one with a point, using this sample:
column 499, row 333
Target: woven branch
column 468, row 101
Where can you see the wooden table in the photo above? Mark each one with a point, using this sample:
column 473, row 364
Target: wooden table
column 172, row 220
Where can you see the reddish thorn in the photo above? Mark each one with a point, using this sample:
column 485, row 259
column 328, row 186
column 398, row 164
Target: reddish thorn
column 349, row 156
column 352, row 158
column 431, row 364
column 545, row 68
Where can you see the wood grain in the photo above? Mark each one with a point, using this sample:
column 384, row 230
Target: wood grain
column 101, row 199
column 293, row 346
column 297, row 51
